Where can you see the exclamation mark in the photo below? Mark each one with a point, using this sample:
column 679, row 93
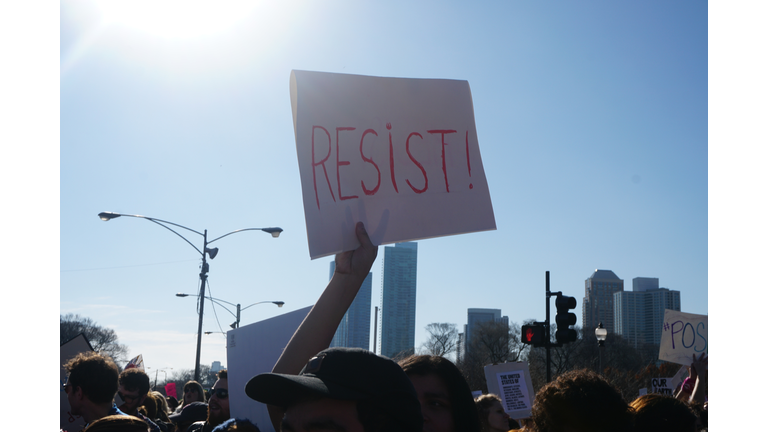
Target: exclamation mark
column 469, row 166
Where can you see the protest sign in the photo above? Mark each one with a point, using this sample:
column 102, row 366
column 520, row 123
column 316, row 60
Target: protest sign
column 401, row 155
column 170, row 389
column 683, row 336
column 512, row 383
column 136, row 362
column 71, row 348
column 254, row 349
column 662, row 386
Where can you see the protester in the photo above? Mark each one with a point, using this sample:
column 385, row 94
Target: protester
column 91, row 386
column 660, row 413
column 193, row 392
column 218, row 405
column 118, row 423
column 173, row 403
column 694, row 388
column 445, row 397
column 237, row 425
column 492, row 415
column 162, row 407
column 191, row 413
column 133, row 389
column 342, row 389
column 580, row 401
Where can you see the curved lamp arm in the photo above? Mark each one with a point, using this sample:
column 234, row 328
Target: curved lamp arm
column 107, row 216
column 274, row 231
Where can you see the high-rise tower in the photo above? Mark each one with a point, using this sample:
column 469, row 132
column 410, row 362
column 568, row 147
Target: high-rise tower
column 397, row 325
column 354, row 330
column 598, row 300
column 639, row 314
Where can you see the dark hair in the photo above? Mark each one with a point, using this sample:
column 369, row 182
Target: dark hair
column 484, row 404
column 96, row 374
column 465, row 417
column 133, row 379
column 656, row 412
column 117, row 423
column 222, row 374
column 583, row 401
column 199, row 389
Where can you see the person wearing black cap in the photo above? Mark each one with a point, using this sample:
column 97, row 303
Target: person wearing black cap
column 193, row 412
column 342, row 390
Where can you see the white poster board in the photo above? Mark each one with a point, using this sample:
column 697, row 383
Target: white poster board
column 663, row 386
column 68, row 421
column 399, row 154
column 254, row 349
column 683, row 335
column 512, row 383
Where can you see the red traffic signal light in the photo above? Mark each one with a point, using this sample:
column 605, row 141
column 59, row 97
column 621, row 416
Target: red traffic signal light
column 533, row 335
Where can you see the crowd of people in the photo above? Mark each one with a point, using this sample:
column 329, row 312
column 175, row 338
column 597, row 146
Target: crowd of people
column 313, row 388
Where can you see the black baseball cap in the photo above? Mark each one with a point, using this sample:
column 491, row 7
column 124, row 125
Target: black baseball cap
column 195, row 411
column 346, row 374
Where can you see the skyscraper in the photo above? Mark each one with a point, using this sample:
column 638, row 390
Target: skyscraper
column 598, row 300
column 354, row 330
column 397, row 326
column 475, row 317
column 639, row 314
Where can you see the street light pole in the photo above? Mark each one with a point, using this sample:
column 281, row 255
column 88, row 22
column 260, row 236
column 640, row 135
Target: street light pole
column 235, row 324
column 274, row 231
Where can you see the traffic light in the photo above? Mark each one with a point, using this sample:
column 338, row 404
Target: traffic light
column 565, row 318
column 533, row 334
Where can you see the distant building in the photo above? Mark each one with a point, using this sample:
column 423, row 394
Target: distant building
column 598, row 300
column 354, row 330
column 216, row 366
column 639, row 314
column 397, row 325
column 475, row 317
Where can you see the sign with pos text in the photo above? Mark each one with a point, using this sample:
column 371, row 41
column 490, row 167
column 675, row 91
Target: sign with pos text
column 683, row 335
column 512, row 383
column 399, row 154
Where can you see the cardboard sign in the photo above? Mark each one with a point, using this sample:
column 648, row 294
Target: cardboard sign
column 682, row 336
column 401, row 155
column 68, row 421
column 254, row 349
column 663, row 386
column 512, row 383
column 170, row 389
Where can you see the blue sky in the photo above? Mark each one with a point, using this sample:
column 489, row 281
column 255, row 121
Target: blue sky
column 592, row 120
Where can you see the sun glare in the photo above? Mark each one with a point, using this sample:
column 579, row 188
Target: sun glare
column 175, row 18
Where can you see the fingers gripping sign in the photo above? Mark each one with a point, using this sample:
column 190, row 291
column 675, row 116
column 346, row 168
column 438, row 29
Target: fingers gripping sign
column 358, row 262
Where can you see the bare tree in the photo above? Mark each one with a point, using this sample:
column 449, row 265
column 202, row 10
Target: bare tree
column 493, row 342
column 102, row 340
column 442, row 339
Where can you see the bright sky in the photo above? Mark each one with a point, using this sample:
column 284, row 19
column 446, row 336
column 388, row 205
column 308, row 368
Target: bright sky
column 592, row 119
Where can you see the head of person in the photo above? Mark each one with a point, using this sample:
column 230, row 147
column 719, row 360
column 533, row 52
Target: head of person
column 492, row 415
column 193, row 412
column 173, row 403
column 90, row 376
column 446, row 400
column 342, row 389
column 218, row 404
column 118, row 423
column 133, row 389
column 238, row 425
column 580, row 401
column 162, row 406
column 193, row 392
column 659, row 413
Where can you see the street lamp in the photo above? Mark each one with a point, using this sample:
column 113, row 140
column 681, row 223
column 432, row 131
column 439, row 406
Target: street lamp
column 212, row 252
column 601, row 334
column 235, row 324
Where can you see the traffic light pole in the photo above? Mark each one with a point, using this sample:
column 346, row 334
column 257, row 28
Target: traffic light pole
column 547, row 330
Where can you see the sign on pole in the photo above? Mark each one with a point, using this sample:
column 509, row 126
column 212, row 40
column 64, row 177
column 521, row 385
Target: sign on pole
column 683, row 336
column 512, row 383
column 399, row 154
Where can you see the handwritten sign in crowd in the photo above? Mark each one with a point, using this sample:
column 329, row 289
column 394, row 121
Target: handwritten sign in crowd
column 401, row 155
column 683, row 336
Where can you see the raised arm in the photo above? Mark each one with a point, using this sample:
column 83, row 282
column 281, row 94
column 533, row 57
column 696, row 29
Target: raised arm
column 316, row 331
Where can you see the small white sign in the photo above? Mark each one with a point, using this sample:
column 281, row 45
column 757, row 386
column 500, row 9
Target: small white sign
column 512, row 383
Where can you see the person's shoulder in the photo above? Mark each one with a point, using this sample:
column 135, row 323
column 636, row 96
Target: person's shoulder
column 196, row 426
